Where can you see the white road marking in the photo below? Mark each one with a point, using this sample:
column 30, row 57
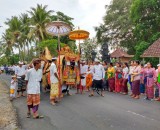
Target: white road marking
column 134, row 113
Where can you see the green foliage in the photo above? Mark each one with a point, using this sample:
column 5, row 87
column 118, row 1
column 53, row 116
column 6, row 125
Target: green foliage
column 118, row 25
column 12, row 59
column 52, row 46
column 62, row 17
column 140, row 48
column 145, row 16
column 39, row 18
column 131, row 24
column 3, row 60
column 87, row 48
column 72, row 45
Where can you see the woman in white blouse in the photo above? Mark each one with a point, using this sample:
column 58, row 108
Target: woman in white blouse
column 125, row 79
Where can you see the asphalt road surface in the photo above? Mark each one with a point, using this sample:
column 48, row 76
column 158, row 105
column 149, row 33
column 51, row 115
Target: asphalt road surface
column 80, row 112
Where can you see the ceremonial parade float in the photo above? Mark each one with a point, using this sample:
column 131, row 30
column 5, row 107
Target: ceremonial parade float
column 68, row 62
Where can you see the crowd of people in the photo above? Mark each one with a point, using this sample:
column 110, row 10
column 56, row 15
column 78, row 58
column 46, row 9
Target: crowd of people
column 142, row 79
column 8, row 70
column 135, row 79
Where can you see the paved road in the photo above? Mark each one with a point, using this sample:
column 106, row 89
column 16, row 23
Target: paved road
column 80, row 112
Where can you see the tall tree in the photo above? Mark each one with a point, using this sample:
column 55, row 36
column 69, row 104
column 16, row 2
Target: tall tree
column 146, row 18
column 87, row 48
column 103, row 39
column 118, row 26
column 14, row 32
column 39, row 18
column 24, row 37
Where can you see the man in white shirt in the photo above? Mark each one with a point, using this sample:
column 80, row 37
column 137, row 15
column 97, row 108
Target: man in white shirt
column 54, row 79
column 33, row 78
column 98, row 78
column 20, row 73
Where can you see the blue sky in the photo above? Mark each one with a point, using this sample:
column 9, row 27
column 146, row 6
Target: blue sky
column 86, row 13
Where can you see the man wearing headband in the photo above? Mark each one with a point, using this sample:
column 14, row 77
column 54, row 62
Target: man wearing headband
column 54, row 79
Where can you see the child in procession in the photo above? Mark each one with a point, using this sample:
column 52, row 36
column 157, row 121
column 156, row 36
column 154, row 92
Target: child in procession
column 13, row 87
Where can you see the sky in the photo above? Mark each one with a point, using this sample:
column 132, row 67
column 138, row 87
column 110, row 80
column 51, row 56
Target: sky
column 86, row 13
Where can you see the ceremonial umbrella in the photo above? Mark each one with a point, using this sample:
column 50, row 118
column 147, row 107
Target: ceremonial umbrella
column 58, row 28
column 79, row 35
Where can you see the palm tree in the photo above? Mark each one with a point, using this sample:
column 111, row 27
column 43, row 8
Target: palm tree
column 7, row 44
column 14, row 31
column 24, row 37
column 39, row 18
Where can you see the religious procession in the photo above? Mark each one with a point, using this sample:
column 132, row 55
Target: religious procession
column 80, row 65
column 81, row 77
column 68, row 74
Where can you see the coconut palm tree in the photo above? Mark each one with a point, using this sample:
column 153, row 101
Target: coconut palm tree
column 39, row 18
column 15, row 32
column 24, row 18
column 7, row 44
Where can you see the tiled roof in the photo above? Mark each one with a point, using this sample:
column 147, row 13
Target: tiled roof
column 153, row 50
column 119, row 53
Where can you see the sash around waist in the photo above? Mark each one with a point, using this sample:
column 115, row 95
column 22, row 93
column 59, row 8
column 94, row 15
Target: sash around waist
column 149, row 76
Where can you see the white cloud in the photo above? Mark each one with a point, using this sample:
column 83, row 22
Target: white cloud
column 86, row 13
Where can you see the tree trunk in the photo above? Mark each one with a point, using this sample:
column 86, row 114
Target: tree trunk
column 28, row 55
column 19, row 53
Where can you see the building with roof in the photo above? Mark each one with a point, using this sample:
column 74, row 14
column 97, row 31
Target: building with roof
column 121, row 56
column 153, row 50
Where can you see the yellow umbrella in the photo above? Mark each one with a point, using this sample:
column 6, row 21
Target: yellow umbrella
column 79, row 35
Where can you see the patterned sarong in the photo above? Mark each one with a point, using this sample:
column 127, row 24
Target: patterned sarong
column 54, row 92
column 21, row 84
column 33, row 99
column 136, row 87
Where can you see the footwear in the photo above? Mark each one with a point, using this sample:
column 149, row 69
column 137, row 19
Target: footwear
column 158, row 99
column 68, row 94
column 137, row 97
column 131, row 95
column 38, row 117
column 28, row 115
column 146, row 98
column 102, row 95
column 18, row 96
column 142, row 94
column 11, row 99
column 91, row 95
column 52, row 103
